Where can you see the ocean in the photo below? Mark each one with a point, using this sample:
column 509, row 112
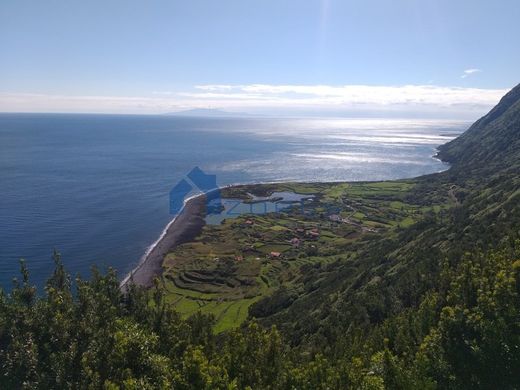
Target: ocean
column 95, row 187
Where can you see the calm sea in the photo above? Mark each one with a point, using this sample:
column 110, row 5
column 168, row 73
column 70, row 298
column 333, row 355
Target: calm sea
column 96, row 187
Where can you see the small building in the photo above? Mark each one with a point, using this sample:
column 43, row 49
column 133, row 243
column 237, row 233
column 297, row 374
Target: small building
column 335, row 218
column 239, row 258
column 275, row 255
column 295, row 242
column 314, row 233
column 249, row 222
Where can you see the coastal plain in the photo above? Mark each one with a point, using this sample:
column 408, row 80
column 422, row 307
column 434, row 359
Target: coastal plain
column 226, row 269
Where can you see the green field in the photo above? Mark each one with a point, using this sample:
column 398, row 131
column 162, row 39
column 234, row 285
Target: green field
column 230, row 266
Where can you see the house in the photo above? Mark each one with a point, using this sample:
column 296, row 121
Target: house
column 239, row 258
column 314, row 233
column 335, row 218
column 295, row 242
column 249, row 222
column 275, row 255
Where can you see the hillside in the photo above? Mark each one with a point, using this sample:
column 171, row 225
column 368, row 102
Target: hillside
column 398, row 275
column 484, row 183
column 414, row 284
column 493, row 140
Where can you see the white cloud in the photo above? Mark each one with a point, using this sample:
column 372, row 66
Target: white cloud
column 351, row 95
column 214, row 87
column 276, row 99
column 469, row 72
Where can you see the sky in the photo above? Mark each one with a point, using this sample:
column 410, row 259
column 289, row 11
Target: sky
column 431, row 58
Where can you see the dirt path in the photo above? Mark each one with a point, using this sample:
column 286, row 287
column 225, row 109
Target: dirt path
column 451, row 194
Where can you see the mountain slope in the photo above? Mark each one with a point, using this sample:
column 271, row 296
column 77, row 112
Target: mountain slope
column 494, row 140
column 355, row 300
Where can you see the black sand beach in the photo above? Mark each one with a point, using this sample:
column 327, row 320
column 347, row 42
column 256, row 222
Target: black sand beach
column 183, row 229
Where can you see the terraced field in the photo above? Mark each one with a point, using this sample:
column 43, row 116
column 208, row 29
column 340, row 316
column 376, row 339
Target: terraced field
column 230, row 266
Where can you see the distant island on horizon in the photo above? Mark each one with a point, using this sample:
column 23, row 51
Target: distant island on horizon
column 212, row 112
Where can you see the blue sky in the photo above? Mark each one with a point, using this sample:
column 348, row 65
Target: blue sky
column 294, row 56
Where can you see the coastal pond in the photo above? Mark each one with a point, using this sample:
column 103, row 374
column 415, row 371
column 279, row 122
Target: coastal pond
column 234, row 207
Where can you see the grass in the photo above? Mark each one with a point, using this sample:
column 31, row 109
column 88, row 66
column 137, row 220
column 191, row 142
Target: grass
column 226, row 268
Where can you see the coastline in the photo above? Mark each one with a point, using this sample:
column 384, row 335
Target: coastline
column 182, row 228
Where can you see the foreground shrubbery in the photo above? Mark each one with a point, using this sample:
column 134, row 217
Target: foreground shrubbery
column 464, row 334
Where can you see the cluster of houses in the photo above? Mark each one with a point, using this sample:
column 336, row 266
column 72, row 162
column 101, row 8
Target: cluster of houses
column 312, row 233
column 300, row 234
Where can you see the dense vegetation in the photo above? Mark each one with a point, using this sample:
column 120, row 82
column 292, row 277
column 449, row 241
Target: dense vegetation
column 433, row 302
column 231, row 265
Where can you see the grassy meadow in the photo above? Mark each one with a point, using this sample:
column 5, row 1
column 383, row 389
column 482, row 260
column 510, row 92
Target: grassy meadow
column 230, row 266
